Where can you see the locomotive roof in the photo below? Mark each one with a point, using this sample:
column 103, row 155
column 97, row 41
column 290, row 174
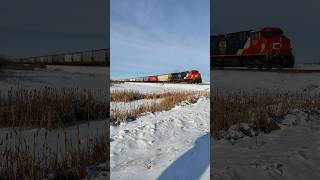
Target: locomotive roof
column 268, row 29
column 254, row 30
column 233, row 33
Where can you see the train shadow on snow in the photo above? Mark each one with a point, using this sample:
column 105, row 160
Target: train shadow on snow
column 192, row 164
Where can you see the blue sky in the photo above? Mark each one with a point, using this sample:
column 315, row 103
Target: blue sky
column 149, row 37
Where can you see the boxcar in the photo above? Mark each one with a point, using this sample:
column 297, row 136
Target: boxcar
column 49, row 59
column 87, row 57
column 61, row 59
column 152, row 78
column 139, row 79
column 100, row 57
column 164, row 78
column 145, row 79
column 68, row 58
column 77, row 58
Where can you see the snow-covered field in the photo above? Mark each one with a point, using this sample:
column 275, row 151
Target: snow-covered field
column 164, row 145
column 293, row 152
column 307, row 66
column 56, row 76
column 228, row 80
column 159, row 87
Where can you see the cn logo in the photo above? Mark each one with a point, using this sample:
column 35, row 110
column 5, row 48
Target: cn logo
column 276, row 46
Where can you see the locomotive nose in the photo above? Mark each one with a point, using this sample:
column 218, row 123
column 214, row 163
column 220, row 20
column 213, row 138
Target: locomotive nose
column 281, row 43
column 286, row 43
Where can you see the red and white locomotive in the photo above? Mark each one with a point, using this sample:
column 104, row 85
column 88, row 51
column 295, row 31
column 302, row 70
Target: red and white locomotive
column 193, row 76
column 266, row 47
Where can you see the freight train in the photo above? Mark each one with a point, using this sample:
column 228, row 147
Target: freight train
column 192, row 76
column 267, row 47
column 99, row 57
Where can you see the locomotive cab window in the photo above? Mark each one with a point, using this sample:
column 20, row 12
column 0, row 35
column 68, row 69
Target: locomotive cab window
column 255, row 35
column 269, row 34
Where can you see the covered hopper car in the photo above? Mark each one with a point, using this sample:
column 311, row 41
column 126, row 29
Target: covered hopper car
column 264, row 48
column 193, row 76
column 99, row 57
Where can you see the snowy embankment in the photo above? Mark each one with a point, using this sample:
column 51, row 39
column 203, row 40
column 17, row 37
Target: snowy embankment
column 164, row 145
column 158, row 145
column 291, row 153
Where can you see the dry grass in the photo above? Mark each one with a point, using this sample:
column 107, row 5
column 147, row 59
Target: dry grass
column 50, row 107
column 127, row 96
column 168, row 101
column 131, row 95
column 239, row 107
column 23, row 160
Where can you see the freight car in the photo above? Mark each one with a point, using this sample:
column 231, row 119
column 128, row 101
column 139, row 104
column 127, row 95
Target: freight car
column 187, row 77
column 263, row 48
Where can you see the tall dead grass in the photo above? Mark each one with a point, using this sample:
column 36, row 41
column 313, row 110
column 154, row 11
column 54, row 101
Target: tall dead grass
column 20, row 159
column 167, row 101
column 132, row 95
column 241, row 107
column 50, row 107
column 127, row 96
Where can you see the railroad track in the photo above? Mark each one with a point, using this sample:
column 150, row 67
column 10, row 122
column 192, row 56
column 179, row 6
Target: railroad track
column 285, row 70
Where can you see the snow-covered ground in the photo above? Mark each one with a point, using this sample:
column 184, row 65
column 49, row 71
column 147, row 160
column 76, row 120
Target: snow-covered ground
column 307, row 66
column 159, row 87
column 293, row 152
column 228, row 80
column 56, row 76
column 172, row 144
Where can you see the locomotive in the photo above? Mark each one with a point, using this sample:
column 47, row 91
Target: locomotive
column 192, row 76
column 267, row 47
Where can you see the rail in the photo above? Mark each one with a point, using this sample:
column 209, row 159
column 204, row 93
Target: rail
column 284, row 70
